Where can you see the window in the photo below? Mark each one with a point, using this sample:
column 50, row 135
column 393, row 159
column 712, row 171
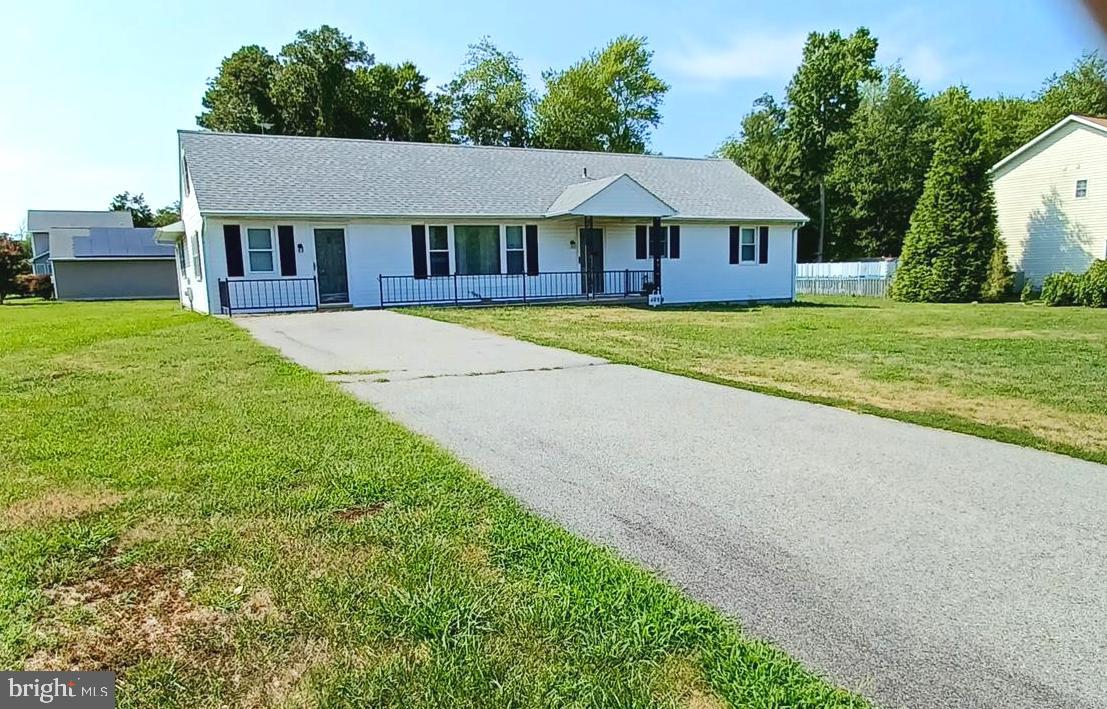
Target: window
column 259, row 244
column 197, row 268
column 439, row 251
column 514, row 239
column 182, row 258
column 1081, row 188
column 749, row 244
column 477, row 249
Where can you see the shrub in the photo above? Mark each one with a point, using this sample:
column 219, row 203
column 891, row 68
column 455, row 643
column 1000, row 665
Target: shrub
column 1060, row 288
column 36, row 285
column 1029, row 293
column 1092, row 290
column 997, row 286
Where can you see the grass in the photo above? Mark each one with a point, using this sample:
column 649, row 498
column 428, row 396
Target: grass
column 1029, row 375
column 221, row 527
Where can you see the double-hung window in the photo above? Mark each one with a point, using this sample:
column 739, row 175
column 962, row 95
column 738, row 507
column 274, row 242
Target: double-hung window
column 439, row 251
column 197, row 265
column 513, row 235
column 259, row 245
column 749, row 245
column 1081, row 188
column 477, row 249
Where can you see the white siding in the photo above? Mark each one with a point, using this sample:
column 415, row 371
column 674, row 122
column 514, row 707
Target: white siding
column 383, row 246
column 1045, row 226
column 193, row 290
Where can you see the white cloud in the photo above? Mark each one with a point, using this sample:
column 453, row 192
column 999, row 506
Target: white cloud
column 746, row 56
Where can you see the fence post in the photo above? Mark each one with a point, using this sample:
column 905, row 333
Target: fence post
column 380, row 285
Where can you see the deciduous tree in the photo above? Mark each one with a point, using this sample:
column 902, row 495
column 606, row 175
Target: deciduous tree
column 12, row 264
column 609, row 101
column 764, row 147
column 141, row 215
column 239, row 96
column 490, row 101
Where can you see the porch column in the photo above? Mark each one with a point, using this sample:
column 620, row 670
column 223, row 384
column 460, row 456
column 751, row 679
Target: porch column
column 656, row 244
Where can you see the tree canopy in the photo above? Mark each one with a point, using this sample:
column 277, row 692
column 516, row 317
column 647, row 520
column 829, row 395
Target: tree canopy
column 609, row 101
column 489, row 100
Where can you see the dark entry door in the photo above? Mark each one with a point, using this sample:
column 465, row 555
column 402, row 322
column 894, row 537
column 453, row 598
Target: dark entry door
column 591, row 261
column 330, row 263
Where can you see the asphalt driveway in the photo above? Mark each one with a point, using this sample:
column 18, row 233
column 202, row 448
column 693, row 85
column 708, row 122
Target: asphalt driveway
column 919, row 567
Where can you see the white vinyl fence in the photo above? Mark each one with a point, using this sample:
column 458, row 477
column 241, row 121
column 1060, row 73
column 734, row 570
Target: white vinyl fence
column 867, row 278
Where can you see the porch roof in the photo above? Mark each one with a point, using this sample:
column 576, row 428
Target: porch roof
column 616, row 196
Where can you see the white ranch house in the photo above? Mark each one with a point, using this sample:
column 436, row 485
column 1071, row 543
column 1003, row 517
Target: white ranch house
column 1051, row 199
column 285, row 223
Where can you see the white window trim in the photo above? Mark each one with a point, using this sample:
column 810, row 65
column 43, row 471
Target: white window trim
column 756, row 245
column 272, row 249
column 449, row 250
column 665, row 240
column 1077, row 191
column 504, row 250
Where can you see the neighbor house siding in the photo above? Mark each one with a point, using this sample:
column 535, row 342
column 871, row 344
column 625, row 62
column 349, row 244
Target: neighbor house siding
column 115, row 279
column 1045, row 226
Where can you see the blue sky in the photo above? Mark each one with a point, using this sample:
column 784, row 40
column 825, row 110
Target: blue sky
column 91, row 98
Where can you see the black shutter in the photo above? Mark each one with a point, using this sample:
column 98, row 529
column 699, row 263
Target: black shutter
column 419, row 250
column 735, row 243
column 674, row 241
column 657, row 241
column 763, row 248
column 286, row 241
column 640, row 242
column 532, row 249
column 232, row 241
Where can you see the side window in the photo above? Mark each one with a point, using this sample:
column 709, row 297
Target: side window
column 1081, row 188
column 749, row 245
column 514, row 239
column 182, row 258
column 197, row 265
column 439, row 251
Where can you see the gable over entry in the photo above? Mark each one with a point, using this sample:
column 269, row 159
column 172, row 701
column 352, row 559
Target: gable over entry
column 616, row 196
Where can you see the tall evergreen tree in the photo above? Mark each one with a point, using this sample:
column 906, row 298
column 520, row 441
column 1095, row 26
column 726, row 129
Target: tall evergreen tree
column 880, row 167
column 953, row 229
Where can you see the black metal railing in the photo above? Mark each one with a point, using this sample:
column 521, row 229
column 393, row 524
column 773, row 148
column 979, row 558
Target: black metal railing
column 264, row 295
column 466, row 289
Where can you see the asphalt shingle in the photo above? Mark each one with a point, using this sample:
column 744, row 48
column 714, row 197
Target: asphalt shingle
column 235, row 173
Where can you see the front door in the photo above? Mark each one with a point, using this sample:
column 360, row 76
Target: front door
column 330, row 264
column 591, row 261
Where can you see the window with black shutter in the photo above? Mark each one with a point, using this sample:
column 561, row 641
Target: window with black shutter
column 763, row 247
column 640, row 239
column 532, row 249
column 419, row 250
column 286, row 243
column 232, row 242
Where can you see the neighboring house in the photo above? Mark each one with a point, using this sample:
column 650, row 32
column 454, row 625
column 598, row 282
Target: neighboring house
column 280, row 222
column 41, row 221
column 1051, row 199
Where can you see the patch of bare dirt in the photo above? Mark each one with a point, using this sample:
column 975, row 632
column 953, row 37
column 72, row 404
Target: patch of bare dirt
column 353, row 514
column 57, row 506
column 123, row 616
column 286, row 685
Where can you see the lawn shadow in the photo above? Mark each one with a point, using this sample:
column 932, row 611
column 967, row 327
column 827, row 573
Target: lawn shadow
column 21, row 301
column 744, row 307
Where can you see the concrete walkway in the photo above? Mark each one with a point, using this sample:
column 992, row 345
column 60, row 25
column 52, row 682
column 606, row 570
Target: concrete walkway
column 917, row 566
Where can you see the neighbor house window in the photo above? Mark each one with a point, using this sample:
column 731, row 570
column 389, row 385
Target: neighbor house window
column 477, row 249
column 259, row 244
column 1081, row 188
column 197, row 267
column 749, row 245
column 439, row 251
column 514, row 239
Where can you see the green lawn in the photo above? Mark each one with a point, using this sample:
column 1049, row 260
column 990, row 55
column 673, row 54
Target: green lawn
column 222, row 527
column 1030, row 375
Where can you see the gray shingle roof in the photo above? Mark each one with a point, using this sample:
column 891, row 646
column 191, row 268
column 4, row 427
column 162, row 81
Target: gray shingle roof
column 241, row 174
column 120, row 243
